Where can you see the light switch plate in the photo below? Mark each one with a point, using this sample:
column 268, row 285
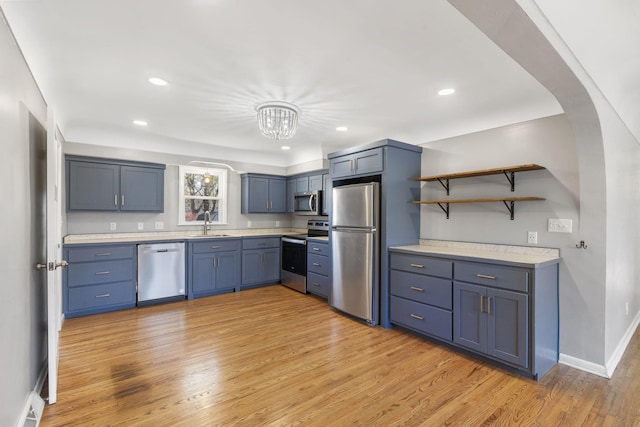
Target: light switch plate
column 113, row 226
column 141, row 226
column 557, row 225
column 159, row 225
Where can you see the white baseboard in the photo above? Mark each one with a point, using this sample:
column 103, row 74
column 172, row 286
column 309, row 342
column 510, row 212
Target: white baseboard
column 34, row 405
column 607, row 369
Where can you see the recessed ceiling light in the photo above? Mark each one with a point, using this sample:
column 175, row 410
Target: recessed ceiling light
column 157, row 81
column 140, row 123
column 342, row 128
column 285, row 147
column 447, row 91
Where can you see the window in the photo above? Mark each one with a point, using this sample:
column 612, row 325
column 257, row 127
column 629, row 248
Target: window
column 201, row 190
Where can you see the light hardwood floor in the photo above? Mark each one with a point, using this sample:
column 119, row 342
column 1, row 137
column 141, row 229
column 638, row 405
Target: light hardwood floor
column 272, row 356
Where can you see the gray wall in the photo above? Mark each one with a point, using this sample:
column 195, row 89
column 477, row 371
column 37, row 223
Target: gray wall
column 21, row 300
column 98, row 222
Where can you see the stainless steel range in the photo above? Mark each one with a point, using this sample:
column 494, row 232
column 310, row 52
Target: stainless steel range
column 294, row 255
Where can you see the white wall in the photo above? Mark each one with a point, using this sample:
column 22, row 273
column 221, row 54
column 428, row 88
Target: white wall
column 20, row 308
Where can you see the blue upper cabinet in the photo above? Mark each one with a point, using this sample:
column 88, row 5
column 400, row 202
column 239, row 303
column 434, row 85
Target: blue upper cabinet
column 263, row 194
column 362, row 163
column 95, row 184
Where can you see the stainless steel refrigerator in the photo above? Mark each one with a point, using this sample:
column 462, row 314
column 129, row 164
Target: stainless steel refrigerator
column 355, row 248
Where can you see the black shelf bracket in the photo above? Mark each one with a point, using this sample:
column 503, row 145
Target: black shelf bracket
column 445, row 210
column 511, row 177
column 511, row 207
column 446, row 186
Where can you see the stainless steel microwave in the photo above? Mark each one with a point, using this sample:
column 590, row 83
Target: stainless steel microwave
column 307, row 203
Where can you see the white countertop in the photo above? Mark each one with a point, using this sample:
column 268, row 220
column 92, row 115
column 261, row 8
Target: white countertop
column 176, row 235
column 516, row 255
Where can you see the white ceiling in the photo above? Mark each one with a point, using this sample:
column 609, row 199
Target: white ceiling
column 374, row 66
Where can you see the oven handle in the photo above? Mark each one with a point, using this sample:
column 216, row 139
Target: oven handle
column 296, row 241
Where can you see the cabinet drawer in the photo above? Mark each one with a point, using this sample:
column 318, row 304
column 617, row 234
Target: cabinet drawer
column 261, row 243
column 100, row 253
column 318, row 284
column 425, row 289
column 100, row 272
column 516, row 279
column 320, row 248
column 88, row 297
column 421, row 317
column 215, row 245
column 318, row 264
column 422, row 265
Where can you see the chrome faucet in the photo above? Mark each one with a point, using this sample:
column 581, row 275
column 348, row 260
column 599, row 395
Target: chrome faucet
column 207, row 219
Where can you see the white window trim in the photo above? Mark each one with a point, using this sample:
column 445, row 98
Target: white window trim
column 222, row 193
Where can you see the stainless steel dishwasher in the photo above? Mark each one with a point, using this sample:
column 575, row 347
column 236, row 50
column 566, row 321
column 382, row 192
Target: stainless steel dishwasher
column 161, row 273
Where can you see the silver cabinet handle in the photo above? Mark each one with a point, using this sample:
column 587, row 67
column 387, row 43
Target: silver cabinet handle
column 122, row 204
column 115, row 200
column 102, row 273
column 316, row 264
column 481, row 304
column 103, row 296
column 485, row 276
column 415, row 288
column 316, row 284
column 315, row 249
column 417, row 265
column 104, row 254
column 488, row 305
column 415, row 316
column 216, row 247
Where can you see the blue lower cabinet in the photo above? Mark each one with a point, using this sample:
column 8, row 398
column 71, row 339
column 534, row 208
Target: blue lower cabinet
column 100, row 278
column 213, row 267
column 421, row 317
column 318, row 267
column 260, row 261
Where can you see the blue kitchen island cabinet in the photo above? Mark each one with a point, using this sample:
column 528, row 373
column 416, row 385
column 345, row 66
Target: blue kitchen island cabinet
column 263, row 194
column 260, row 261
column 213, row 267
column 97, row 184
column 506, row 311
column 100, row 278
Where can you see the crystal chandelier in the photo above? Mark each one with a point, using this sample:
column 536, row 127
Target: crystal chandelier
column 277, row 120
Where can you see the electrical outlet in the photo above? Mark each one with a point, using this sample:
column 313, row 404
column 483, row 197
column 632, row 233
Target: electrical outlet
column 277, row 224
column 141, row 226
column 248, row 224
column 113, row 226
column 532, row 237
column 159, row 225
column 557, row 225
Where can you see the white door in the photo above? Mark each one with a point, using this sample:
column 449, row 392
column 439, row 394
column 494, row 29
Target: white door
column 54, row 252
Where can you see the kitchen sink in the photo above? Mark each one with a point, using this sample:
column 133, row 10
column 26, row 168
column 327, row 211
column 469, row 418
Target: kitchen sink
column 208, row 235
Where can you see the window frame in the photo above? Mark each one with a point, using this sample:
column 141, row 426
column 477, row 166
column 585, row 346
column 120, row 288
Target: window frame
column 222, row 193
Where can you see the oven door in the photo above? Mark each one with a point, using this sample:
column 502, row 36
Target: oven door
column 294, row 264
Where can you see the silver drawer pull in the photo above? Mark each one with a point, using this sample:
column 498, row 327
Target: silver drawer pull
column 102, row 273
column 216, row 247
column 415, row 316
column 103, row 296
column 316, row 264
column 417, row 265
column 415, row 288
column 316, row 249
column 485, row 276
column 262, row 244
column 104, row 254
column 316, row 284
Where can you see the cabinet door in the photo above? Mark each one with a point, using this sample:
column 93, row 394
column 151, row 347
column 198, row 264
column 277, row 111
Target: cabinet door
column 291, row 189
column 342, row 166
column 202, row 278
column 93, row 186
column 369, row 161
column 277, row 195
column 271, row 265
column 142, row 189
column 469, row 319
column 302, row 184
column 315, row 182
column 251, row 266
column 508, row 321
column 327, row 192
column 226, row 269
column 258, row 195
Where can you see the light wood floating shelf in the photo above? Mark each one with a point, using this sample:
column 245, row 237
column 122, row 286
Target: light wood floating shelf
column 508, row 171
column 444, row 203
